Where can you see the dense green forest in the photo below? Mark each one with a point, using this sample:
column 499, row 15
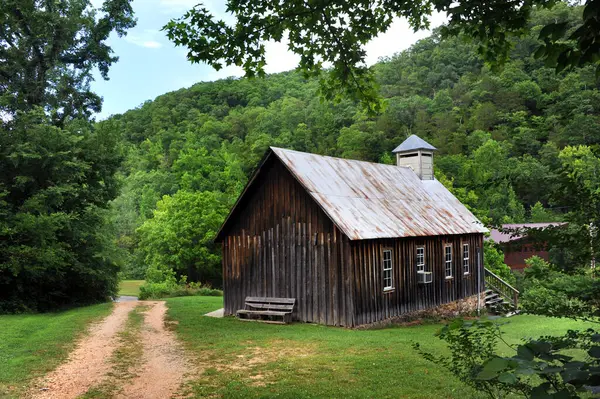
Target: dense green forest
column 518, row 144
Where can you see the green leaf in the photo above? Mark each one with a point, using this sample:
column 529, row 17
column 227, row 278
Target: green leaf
column 524, row 352
column 594, row 352
column 540, row 52
column 507, row 378
column 574, row 374
column 541, row 391
column 589, row 11
column 546, row 31
column 492, row 368
column 551, row 370
column 540, row 346
column 574, row 365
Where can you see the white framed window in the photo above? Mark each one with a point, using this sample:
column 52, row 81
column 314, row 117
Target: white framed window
column 388, row 274
column 420, row 259
column 448, row 260
column 466, row 258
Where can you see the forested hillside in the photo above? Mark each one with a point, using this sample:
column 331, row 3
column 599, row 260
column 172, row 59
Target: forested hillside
column 518, row 144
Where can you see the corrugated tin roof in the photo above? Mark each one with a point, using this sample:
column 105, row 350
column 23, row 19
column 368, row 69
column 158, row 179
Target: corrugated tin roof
column 369, row 200
column 414, row 143
column 516, row 231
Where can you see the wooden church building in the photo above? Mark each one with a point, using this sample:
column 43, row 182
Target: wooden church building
column 353, row 242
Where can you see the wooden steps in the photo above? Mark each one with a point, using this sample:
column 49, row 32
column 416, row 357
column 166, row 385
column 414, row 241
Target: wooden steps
column 496, row 304
column 500, row 297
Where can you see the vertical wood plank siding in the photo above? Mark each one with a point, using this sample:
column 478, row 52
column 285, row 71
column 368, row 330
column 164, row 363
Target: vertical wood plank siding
column 280, row 243
column 373, row 304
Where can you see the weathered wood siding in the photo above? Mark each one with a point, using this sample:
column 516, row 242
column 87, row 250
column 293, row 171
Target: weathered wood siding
column 372, row 304
column 280, row 243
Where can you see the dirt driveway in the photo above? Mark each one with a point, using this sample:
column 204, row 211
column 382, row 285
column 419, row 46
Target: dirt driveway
column 129, row 354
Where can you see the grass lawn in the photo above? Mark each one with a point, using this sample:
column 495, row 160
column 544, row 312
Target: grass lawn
column 32, row 345
column 130, row 287
column 245, row 359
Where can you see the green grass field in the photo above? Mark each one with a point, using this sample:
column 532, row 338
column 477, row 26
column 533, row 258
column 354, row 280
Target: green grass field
column 32, row 345
column 130, row 287
column 246, row 359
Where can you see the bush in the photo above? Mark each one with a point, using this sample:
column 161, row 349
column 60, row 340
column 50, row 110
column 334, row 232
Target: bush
column 170, row 289
column 550, row 292
column 206, row 291
column 155, row 290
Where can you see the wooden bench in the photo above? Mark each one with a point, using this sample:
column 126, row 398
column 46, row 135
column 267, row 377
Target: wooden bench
column 267, row 309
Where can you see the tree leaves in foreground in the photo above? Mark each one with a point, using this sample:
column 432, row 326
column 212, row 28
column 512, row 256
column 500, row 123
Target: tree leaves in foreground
column 334, row 33
column 548, row 367
column 566, row 366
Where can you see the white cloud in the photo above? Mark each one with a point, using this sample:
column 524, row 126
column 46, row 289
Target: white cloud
column 225, row 72
column 142, row 42
column 279, row 58
column 399, row 37
column 144, row 38
column 179, row 6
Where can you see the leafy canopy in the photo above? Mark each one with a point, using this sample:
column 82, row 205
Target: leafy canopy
column 333, row 34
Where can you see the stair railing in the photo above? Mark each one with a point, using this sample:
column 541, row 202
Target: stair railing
column 509, row 293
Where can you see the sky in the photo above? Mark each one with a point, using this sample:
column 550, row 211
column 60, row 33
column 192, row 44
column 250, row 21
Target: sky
column 150, row 65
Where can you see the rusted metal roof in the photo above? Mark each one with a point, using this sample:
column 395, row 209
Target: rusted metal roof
column 369, row 200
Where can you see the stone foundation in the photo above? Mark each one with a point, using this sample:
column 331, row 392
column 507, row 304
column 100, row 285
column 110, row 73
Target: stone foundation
column 462, row 307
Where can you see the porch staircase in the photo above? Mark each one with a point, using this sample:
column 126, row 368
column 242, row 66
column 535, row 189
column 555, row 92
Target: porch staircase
column 500, row 297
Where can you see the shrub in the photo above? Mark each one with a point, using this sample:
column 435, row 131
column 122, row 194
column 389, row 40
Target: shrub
column 156, row 290
column 206, row 291
column 550, row 292
column 170, row 289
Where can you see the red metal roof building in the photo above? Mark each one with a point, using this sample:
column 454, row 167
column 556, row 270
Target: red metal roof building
column 517, row 246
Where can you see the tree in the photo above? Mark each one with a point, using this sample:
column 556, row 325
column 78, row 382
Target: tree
column 580, row 190
column 55, row 248
column 179, row 238
column 49, row 49
column 58, row 170
column 494, row 261
column 538, row 214
column 335, row 32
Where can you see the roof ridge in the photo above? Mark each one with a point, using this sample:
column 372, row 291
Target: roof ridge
column 340, row 158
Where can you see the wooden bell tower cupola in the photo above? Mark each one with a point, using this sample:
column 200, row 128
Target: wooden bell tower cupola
column 416, row 154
